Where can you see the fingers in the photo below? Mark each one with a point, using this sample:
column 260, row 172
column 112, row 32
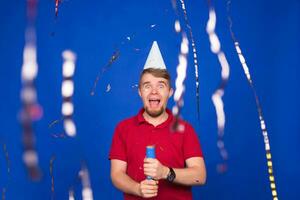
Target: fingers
column 153, row 168
column 149, row 188
column 149, row 184
column 151, row 164
column 150, row 172
column 150, row 160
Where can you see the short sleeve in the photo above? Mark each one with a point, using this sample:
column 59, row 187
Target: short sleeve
column 118, row 145
column 191, row 144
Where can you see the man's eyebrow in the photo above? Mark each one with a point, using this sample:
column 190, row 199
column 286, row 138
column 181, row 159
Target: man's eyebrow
column 164, row 82
column 147, row 82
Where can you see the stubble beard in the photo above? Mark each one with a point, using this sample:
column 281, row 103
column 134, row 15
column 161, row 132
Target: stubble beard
column 154, row 114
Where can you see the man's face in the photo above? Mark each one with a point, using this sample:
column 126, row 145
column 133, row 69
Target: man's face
column 155, row 93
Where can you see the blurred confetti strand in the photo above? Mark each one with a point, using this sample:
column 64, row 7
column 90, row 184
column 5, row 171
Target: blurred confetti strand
column 215, row 47
column 67, row 91
column 31, row 11
column 8, row 165
column 181, row 75
column 112, row 59
column 258, row 106
column 31, row 110
column 57, row 4
column 51, row 163
column 189, row 27
column 87, row 192
column 71, row 194
column 179, row 82
column 108, row 88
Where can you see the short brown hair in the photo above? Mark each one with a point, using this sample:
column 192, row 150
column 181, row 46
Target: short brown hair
column 159, row 73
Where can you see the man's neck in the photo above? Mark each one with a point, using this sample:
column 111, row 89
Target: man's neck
column 155, row 121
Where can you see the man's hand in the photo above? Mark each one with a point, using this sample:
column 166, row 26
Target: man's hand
column 148, row 188
column 153, row 168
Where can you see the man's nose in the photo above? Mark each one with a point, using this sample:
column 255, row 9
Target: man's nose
column 153, row 90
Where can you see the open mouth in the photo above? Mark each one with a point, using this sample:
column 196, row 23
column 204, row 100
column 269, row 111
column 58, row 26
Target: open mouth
column 154, row 102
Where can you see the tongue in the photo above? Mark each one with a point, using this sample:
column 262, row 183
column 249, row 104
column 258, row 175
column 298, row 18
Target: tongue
column 154, row 103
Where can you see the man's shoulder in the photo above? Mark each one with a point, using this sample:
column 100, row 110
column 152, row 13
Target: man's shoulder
column 184, row 122
column 187, row 125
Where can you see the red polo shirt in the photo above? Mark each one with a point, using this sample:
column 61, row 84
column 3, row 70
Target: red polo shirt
column 172, row 149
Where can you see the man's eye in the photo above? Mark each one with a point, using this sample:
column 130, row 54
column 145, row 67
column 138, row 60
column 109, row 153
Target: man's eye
column 147, row 86
column 161, row 86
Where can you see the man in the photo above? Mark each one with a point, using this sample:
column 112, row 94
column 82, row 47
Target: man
column 179, row 162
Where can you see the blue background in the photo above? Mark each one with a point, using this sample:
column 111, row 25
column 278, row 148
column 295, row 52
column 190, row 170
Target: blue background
column 268, row 32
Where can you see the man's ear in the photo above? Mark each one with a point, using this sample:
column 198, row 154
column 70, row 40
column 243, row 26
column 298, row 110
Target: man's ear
column 140, row 92
column 171, row 92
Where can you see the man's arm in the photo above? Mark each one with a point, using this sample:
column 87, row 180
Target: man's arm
column 146, row 189
column 193, row 174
